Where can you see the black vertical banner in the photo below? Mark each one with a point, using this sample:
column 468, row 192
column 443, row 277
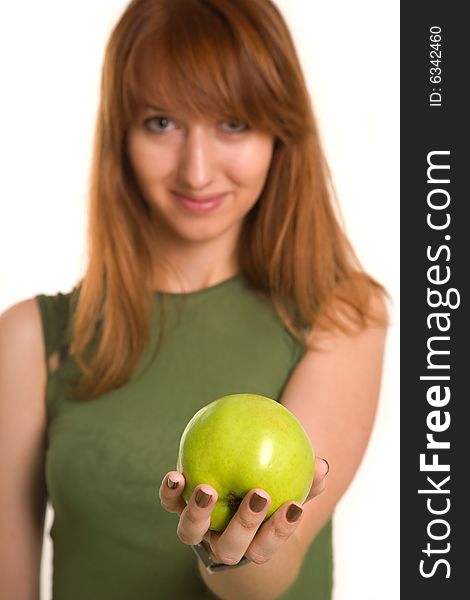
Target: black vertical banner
column 435, row 268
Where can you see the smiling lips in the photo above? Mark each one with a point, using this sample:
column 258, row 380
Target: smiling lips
column 201, row 204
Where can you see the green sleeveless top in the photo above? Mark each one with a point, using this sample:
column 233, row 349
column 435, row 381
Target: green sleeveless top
column 106, row 457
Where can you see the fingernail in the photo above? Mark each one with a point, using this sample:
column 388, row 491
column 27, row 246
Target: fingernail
column 327, row 466
column 202, row 499
column 257, row 503
column 172, row 484
column 293, row 513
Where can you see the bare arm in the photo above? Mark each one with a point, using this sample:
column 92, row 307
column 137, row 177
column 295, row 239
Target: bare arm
column 334, row 392
column 22, row 445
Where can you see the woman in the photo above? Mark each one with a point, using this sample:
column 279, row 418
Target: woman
column 216, row 265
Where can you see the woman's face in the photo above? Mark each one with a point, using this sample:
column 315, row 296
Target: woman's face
column 199, row 177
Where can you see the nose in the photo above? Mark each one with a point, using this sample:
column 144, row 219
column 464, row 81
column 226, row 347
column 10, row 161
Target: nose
column 197, row 158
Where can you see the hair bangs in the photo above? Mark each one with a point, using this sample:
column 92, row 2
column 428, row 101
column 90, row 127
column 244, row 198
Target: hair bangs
column 198, row 65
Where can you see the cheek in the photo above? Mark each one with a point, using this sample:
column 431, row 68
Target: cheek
column 154, row 168
column 250, row 167
column 150, row 164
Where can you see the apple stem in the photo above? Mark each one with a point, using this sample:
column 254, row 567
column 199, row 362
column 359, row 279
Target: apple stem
column 233, row 502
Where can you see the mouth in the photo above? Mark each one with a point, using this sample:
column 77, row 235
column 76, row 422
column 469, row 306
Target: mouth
column 199, row 204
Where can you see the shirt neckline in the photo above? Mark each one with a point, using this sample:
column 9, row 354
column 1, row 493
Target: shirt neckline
column 203, row 291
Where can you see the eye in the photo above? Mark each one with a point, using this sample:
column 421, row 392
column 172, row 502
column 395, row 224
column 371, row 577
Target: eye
column 233, row 126
column 159, row 124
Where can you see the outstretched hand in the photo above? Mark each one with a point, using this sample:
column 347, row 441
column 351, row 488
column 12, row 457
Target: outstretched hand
column 246, row 534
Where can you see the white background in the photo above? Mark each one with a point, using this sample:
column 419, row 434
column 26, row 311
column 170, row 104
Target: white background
column 51, row 56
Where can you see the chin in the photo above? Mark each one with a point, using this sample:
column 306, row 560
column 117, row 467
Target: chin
column 207, row 231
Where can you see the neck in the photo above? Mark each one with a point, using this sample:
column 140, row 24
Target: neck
column 188, row 267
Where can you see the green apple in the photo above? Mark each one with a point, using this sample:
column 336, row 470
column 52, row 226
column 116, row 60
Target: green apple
column 245, row 441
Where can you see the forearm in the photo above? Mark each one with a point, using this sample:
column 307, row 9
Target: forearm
column 258, row 582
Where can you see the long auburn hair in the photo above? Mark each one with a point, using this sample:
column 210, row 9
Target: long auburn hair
column 231, row 58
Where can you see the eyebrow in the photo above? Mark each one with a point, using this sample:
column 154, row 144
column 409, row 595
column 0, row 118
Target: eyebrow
column 156, row 108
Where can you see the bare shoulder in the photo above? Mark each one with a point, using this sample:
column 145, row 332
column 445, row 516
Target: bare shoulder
column 340, row 324
column 21, row 330
column 379, row 308
column 23, row 370
column 22, row 319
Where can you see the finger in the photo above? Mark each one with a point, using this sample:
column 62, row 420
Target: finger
column 274, row 533
column 196, row 516
column 319, row 482
column 170, row 492
column 231, row 546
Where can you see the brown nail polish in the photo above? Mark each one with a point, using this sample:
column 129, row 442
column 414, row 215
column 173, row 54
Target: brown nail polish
column 257, row 503
column 172, row 484
column 293, row 513
column 202, row 499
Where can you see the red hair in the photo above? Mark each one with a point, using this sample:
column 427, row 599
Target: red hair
column 222, row 58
